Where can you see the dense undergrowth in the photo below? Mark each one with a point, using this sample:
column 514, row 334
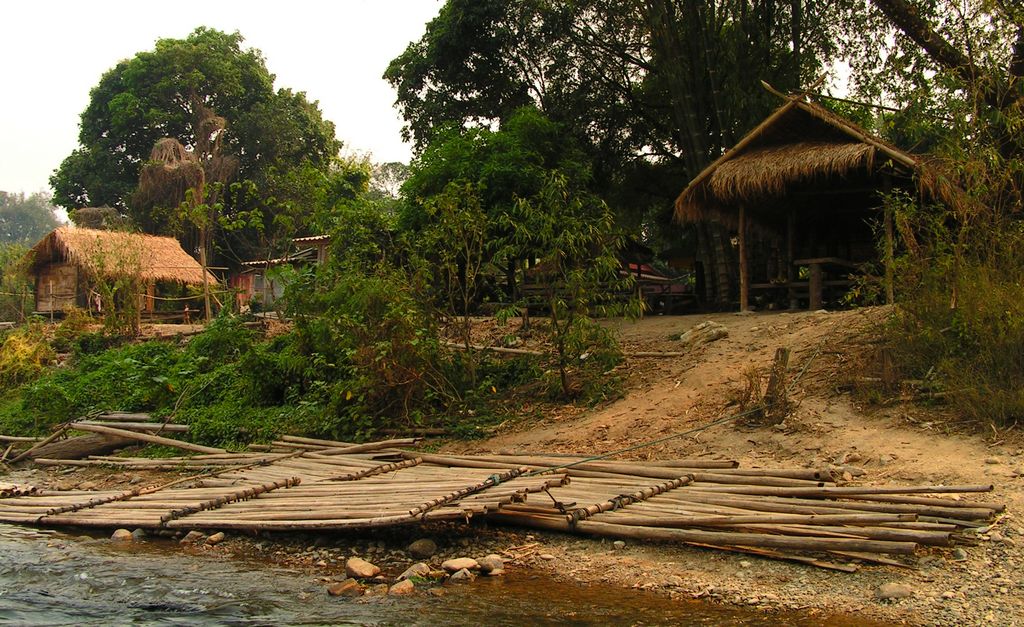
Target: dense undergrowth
column 234, row 386
column 959, row 325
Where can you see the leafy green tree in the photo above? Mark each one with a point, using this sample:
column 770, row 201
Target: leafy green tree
column 503, row 165
column 154, row 95
column 672, row 80
column 577, row 268
column 457, row 239
column 15, row 287
column 25, row 220
column 650, row 91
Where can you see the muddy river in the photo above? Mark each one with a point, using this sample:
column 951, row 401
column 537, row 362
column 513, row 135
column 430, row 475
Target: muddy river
column 53, row 578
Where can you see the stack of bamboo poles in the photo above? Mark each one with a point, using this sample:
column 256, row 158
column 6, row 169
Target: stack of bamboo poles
column 285, row 448
column 767, row 512
column 14, row 489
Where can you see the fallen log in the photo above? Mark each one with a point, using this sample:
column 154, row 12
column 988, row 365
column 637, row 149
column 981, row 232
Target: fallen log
column 77, row 447
column 53, row 436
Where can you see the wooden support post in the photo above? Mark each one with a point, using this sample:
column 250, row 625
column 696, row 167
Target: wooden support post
column 776, row 404
column 816, row 285
column 790, row 256
column 890, row 291
column 744, row 272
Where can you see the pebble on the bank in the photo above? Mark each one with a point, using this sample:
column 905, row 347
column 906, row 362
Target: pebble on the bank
column 422, row 549
column 894, row 591
column 416, row 570
column 402, row 588
column 619, row 545
column 122, row 535
column 491, row 563
column 192, row 537
column 359, row 568
column 348, row 588
column 216, row 538
column 462, row 576
column 459, row 563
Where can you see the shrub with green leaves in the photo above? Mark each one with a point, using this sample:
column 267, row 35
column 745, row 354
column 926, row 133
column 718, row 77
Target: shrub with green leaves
column 24, row 354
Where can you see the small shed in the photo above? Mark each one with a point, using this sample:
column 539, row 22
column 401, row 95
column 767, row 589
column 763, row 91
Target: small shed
column 803, row 189
column 252, row 283
column 67, row 263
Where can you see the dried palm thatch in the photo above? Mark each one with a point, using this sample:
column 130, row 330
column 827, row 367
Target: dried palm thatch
column 171, row 172
column 800, row 143
column 772, row 169
column 116, row 254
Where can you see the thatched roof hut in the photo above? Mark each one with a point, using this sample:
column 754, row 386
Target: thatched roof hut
column 800, row 147
column 68, row 258
column 111, row 254
column 808, row 175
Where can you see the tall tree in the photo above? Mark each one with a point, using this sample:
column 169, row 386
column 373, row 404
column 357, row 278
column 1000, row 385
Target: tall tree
column 156, row 94
column 25, row 220
column 652, row 90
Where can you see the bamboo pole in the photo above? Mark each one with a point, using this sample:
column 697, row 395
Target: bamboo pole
column 18, row 438
column 144, row 437
column 134, row 426
column 53, row 436
column 714, row 538
column 325, row 443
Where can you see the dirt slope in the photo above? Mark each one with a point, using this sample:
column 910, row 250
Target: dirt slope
column 896, row 442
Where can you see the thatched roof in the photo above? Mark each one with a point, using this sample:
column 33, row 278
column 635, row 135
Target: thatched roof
column 111, row 254
column 800, row 145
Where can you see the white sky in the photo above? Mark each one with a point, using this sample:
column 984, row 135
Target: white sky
column 52, row 52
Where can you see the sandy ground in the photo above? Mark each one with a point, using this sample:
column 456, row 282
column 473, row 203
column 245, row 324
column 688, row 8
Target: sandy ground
column 897, row 442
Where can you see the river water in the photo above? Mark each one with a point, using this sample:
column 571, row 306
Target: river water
column 51, row 578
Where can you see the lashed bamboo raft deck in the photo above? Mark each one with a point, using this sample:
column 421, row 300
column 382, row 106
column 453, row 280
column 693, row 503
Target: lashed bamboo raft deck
column 290, row 493
column 304, row 484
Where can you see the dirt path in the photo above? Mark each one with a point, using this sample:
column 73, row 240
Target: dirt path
column 971, row 585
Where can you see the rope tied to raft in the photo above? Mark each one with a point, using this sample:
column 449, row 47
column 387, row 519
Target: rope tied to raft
column 495, row 479
column 621, row 500
column 577, row 515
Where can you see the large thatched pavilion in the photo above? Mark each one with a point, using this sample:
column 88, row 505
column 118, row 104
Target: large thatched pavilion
column 803, row 190
column 67, row 263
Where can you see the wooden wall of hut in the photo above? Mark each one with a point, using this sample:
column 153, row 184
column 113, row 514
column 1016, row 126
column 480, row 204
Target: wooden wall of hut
column 846, row 235
column 57, row 287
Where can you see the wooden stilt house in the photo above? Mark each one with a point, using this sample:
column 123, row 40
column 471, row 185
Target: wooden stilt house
column 67, row 265
column 802, row 194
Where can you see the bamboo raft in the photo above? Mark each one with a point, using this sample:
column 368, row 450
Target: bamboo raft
column 301, row 484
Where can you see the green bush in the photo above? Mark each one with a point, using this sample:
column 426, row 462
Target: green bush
column 24, row 354
column 960, row 318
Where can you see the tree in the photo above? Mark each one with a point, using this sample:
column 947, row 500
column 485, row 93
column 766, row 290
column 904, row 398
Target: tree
column 577, row 268
column 501, row 166
column 156, row 94
column 25, row 220
column 192, row 181
column 387, row 179
column 650, row 91
column 456, row 240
